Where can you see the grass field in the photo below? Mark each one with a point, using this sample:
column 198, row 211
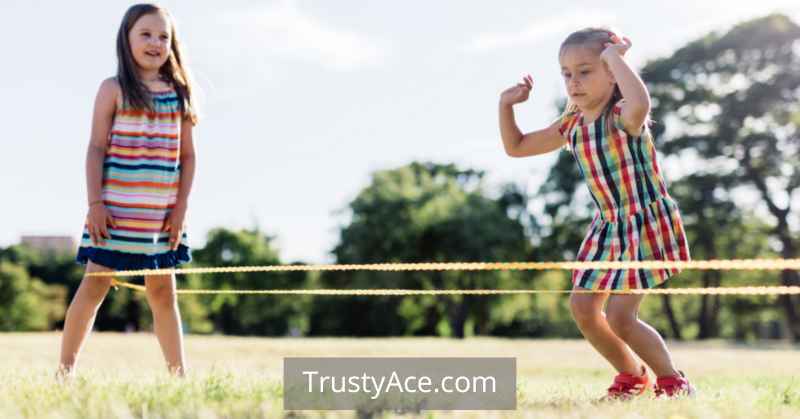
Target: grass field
column 121, row 375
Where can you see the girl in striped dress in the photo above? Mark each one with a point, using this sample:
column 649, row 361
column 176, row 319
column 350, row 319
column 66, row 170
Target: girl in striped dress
column 139, row 169
column 605, row 126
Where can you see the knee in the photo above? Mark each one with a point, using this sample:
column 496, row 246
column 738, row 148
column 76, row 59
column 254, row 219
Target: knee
column 161, row 297
column 584, row 309
column 95, row 289
column 621, row 323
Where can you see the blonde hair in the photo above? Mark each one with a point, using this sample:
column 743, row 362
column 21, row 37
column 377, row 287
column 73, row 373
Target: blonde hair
column 595, row 39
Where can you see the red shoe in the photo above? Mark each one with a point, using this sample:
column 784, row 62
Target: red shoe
column 674, row 386
column 627, row 386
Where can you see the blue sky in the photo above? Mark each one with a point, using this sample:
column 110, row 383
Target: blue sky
column 302, row 100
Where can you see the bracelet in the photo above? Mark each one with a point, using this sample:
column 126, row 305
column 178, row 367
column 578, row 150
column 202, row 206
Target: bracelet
column 95, row 202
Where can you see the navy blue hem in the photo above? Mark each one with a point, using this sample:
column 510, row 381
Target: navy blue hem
column 122, row 261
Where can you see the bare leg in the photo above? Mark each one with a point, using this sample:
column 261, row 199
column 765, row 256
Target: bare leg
column 587, row 309
column 622, row 313
column 81, row 315
column 166, row 320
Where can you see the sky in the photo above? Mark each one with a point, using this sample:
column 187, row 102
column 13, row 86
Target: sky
column 301, row 101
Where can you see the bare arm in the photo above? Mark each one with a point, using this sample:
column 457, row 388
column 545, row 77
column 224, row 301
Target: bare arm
column 103, row 116
column 636, row 106
column 105, row 105
column 187, row 159
column 516, row 143
column 531, row 144
column 174, row 223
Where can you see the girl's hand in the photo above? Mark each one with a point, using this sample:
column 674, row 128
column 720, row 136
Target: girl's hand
column 616, row 46
column 174, row 225
column 518, row 93
column 97, row 222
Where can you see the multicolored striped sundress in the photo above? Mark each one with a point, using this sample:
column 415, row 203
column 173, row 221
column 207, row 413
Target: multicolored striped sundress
column 636, row 218
column 141, row 172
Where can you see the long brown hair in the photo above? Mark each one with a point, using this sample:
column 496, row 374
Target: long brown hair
column 174, row 71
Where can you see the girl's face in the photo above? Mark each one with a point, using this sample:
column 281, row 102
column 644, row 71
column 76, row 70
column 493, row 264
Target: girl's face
column 588, row 80
column 150, row 41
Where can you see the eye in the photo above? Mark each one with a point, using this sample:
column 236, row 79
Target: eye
column 585, row 72
column 164, row 37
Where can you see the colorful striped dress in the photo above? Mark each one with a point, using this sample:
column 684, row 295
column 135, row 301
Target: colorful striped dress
column 636, row 218
column 141, row 172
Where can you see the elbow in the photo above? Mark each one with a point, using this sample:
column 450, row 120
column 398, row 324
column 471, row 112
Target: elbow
column 512, row 152
column 96, row 152
column 641, row 107
column 516, row 154
column 187, row 158
column 511, row 146
column 639, row 112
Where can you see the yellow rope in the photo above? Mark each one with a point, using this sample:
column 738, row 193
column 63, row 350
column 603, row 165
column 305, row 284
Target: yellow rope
column 730, row 264
column 722, row 264
column 776, row 290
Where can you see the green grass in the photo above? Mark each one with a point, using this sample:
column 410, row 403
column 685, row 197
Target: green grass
column 122, row 375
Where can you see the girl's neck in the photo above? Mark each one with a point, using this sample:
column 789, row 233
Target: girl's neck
column 591, row 114
column 153, row 80
column 148, row 76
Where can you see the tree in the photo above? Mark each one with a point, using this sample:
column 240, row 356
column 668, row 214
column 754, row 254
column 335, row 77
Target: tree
column 27, row 303
column 731, row 102
column 249, row 314
column 422, row 212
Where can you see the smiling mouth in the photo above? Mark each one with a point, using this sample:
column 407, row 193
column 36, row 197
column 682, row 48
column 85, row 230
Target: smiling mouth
column 152, row 54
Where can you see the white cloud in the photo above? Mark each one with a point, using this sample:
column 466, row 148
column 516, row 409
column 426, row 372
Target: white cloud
column 285, row 30
column 539, row 30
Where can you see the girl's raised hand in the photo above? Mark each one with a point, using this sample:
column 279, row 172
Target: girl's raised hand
column 518, row 93
column 618, row 46
column 97, row 222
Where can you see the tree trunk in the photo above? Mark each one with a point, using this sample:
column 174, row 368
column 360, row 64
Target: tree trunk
column 707, row 321
column 790, row 303
column 458, row 316
column 673, row 322
column 482, row 322
column 133, row 315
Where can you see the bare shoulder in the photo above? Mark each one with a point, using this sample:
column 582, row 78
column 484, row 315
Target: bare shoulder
column 110, row 83
column 109, row 92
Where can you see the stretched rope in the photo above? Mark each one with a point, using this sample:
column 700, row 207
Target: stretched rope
column 777, row 290
column 723, row 264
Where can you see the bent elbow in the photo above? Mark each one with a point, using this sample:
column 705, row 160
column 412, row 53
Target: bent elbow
column 513, row 152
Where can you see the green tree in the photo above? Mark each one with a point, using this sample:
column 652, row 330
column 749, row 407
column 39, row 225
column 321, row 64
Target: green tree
column 729, row 103
column 423, row 212
column 121, row 310
column 27, row 303
column 249, row 314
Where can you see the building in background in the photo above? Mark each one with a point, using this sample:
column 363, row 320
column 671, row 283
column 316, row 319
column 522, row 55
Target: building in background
column 50, row 244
